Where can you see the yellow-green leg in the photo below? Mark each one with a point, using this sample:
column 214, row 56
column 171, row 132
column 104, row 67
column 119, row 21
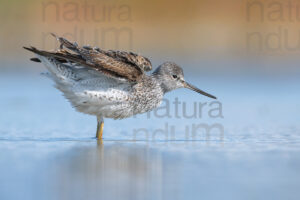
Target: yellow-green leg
column 100, row 125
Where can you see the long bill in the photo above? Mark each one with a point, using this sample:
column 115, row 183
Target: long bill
column 191, row 87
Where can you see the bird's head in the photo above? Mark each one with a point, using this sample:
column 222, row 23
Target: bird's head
column 171, row 77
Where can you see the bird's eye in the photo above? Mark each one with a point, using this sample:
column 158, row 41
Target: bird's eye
column 174, row 76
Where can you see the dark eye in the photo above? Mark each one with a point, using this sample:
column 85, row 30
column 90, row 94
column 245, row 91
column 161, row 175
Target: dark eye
column 174, row 76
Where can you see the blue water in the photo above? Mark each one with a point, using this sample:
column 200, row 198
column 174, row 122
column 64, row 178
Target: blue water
column 48, row 150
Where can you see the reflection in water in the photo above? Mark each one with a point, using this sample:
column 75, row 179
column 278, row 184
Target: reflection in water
column 141, row 170
column 110, row 171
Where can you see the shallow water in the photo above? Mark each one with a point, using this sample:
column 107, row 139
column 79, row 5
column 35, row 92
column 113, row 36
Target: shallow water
column 48, row 150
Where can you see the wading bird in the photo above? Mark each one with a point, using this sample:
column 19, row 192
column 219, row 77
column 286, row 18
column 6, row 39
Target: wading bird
column 109, row 84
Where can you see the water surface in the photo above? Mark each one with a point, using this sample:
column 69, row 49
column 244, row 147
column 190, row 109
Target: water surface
column 48, row 150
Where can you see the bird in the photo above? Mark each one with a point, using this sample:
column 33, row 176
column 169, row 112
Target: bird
column 109, row 83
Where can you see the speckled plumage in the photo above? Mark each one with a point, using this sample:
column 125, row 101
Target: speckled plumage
column 93, row 93
column 109, row 84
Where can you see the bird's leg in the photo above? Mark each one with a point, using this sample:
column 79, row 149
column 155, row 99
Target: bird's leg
column 100, row 125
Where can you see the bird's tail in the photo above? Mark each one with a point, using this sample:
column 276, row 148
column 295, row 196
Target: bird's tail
column 55, row 63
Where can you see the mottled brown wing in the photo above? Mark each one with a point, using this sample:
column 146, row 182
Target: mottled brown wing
column 128, row 57
column 119, row 55
column 118, row 68
column 132, row 58
column 103, row 62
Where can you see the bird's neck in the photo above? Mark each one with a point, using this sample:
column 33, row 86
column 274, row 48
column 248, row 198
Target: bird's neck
column 162, row 84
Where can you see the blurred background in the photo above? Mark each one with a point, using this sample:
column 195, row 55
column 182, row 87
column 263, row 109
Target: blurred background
column 244, row 145
column 188, row 32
